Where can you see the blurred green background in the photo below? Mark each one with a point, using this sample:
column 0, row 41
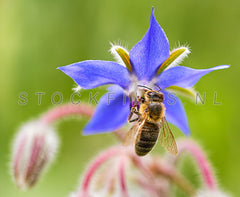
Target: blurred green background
column 38, row 36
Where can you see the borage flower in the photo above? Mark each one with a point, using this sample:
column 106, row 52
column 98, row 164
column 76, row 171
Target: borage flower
column 149, row 63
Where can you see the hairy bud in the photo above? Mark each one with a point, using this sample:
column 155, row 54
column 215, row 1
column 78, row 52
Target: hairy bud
column 34, row 148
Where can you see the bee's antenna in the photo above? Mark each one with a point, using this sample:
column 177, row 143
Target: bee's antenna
column 144, row 87
column 158, row 87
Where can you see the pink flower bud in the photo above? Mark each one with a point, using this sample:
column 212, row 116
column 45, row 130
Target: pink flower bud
column 34, row 148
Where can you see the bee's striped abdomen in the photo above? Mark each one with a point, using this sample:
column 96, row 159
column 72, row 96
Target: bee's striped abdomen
column 147, row 138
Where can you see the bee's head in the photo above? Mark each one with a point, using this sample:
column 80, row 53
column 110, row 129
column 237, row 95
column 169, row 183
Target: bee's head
column 153, row 96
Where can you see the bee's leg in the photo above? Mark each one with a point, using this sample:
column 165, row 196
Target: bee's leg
column 133, row 120
column 130, row 115
column 133, row 111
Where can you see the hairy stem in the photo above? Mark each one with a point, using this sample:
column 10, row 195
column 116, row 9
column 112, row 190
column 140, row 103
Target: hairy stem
column 103, row 157
column 197, row 153
column 173, row 175
column 123, row 185
column 69, row 110
column 147, row 186
column 66, row 110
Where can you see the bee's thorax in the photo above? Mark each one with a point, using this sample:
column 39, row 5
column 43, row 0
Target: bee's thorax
column 156, row 111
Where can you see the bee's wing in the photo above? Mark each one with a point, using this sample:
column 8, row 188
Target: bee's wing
column 132, row 133
column 166, row 137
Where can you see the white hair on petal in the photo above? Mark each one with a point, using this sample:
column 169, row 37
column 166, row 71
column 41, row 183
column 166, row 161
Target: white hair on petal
column 180, row 58
column 116, row 56
column 76, row 88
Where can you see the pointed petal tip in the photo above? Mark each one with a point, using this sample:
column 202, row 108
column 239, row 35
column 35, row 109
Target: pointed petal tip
column 64, row 69
column 60, row 68
column 153, row 10
column 152, row 15
column 222, row 67
column 93, row 73
column 184, row 77
column 150, row 52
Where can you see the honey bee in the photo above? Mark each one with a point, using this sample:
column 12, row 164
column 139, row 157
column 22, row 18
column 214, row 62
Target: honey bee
column 150, row 124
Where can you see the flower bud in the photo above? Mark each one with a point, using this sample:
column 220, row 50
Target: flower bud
column 34, row 148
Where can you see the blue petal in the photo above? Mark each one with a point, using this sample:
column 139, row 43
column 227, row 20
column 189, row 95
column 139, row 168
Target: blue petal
column 93, row 73
column 175, row 112
column 110, row 114
column 149, row 53
column 183, row 76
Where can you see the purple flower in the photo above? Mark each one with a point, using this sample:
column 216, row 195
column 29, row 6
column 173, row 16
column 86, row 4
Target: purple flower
column 149, row 63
